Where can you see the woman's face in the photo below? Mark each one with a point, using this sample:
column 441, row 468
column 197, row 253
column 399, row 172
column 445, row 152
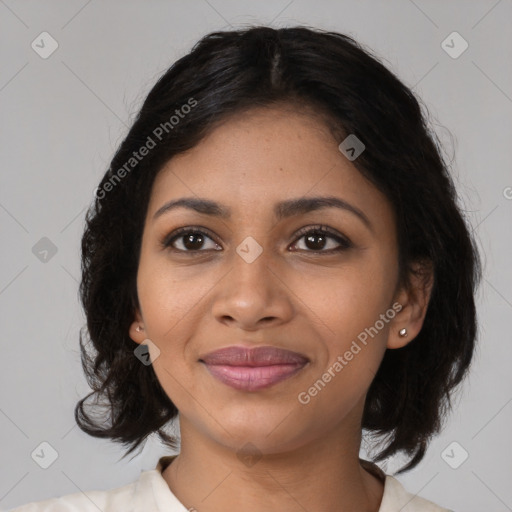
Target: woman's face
column 250, row 279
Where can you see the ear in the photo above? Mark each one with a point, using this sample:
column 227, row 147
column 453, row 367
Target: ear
column 413, row 299
column 137, row 335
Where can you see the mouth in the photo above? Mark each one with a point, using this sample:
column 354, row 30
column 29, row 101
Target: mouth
column 253, row 369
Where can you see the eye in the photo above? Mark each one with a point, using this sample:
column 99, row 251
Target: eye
column 317, row 238
column 189, row 239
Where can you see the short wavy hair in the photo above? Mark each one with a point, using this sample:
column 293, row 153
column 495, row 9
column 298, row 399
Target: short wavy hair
column 226, row 73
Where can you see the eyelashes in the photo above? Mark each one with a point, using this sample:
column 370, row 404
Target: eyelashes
column 324, row 232
column 200, row 236
column 168, row 241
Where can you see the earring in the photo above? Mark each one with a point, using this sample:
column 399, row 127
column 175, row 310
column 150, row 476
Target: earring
column 403, row 332
column 139, row 328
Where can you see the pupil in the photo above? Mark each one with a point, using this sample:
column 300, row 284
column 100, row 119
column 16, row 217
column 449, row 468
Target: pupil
column 311, row 238
column 189, row 242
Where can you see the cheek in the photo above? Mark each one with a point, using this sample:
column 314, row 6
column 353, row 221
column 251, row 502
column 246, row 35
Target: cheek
column 351, row 309
column 170, row 299
column 354, row 306
column 349, row 299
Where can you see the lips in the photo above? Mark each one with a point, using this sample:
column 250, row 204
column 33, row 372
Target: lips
column 253, row 369
column 258, row 356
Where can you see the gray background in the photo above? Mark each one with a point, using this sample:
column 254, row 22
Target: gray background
column 62, row 118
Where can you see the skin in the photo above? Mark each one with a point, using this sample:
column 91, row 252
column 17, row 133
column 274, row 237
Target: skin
column 314, row 304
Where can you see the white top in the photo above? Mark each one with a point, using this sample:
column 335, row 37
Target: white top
column 150, row 493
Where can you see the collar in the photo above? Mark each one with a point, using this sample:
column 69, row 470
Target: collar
column 163, row 500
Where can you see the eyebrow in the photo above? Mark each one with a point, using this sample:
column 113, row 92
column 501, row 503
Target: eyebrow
column 282, row 210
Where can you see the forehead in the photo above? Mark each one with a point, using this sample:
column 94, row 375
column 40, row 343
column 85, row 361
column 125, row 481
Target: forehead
column 263, row 156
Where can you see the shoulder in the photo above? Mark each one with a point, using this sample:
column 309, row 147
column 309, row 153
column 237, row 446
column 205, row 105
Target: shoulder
column 107, row 501
column 396, row 498
column 136, row 496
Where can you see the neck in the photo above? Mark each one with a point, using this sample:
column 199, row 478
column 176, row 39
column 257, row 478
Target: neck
column 323, row 475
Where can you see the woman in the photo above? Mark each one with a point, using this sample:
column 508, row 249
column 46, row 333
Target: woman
column 276, row 254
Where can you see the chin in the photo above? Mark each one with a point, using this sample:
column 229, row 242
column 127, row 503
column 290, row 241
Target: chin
column 265, row 435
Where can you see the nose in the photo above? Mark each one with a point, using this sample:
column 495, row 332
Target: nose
column 252, row 294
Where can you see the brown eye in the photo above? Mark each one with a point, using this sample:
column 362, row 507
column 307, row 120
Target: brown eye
column 321, row 239
column 190, row 240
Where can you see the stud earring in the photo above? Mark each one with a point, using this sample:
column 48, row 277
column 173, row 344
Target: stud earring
column 139, row 328
column 403, row 332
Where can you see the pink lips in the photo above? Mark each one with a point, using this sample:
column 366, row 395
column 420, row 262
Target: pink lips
column 253, row 369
